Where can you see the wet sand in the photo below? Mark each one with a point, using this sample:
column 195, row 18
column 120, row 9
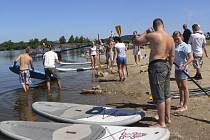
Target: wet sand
column 133, row 94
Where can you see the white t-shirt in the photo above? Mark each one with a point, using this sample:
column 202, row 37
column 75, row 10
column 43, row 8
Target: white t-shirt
column 93, row 50
column 197, row 40
column 50, row 59
column 181, row 52
column 120, row 49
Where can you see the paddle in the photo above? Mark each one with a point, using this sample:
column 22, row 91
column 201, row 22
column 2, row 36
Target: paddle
column 193, row 80
column 119, row 32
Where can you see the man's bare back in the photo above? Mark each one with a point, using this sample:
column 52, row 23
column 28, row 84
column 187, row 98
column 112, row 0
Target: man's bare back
column 25, row 61
column 161, row 45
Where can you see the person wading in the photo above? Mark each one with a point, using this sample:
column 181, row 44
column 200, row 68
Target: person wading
column 24, row 76
column 49, row 60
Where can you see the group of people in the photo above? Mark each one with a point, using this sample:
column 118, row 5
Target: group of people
column 116, row 50
column 166, row 50
column 50, row 58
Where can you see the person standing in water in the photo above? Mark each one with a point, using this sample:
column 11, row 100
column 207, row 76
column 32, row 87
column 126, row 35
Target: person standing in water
column 25, row 60
column 120, row 48
column 49, row 60
column 93, row 55
column 160, row 63
column 183, row 57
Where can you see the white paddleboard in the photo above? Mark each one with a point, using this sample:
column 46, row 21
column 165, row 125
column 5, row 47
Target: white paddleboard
column 23, row 130
column 73, row 69
column 78, row 113
column 66, row 63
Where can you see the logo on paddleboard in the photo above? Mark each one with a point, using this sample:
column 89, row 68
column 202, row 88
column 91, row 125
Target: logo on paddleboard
column 132, row 135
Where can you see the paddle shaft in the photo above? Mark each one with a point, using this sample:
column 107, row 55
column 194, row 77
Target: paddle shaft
column 119, row 32
column 193, row 80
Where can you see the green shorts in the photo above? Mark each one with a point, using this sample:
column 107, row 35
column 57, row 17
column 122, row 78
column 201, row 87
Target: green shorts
column 159, row 78
column 51, row 71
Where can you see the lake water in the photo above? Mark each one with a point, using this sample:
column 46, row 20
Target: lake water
column 15, row 105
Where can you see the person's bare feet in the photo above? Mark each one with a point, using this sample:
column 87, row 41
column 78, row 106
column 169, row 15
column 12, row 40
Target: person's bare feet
column 168, row 121
column 179, row 106
column 181, row 109
column 157, row 125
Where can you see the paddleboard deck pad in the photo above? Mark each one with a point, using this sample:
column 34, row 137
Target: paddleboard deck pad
column 78, row 113
column 24, row 130
column 33, row 74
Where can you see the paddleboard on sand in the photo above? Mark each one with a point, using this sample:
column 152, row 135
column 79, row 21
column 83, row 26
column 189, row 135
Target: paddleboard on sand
column 66, row 63
column 23, row 130
column 73, row 69
column 33, row 74
column 78, row 113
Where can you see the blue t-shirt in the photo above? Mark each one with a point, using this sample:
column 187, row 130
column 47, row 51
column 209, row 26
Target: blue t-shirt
column 181, row 52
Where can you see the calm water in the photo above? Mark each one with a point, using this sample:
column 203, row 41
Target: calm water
column 15, row 105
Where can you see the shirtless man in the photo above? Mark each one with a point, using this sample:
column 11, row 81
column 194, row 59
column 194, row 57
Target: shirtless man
column 24, row 75
column 160, row 63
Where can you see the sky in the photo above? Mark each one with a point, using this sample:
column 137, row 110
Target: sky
column 22, row 20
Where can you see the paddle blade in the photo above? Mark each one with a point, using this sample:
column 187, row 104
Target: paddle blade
column 118, row 30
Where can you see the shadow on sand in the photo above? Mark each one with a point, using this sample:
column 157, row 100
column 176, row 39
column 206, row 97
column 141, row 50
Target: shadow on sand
column 196, row 119
column 112, row 80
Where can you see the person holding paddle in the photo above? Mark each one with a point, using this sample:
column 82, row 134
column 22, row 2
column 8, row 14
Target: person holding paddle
column 24, row 75
column 160, row 63
column 183, row 57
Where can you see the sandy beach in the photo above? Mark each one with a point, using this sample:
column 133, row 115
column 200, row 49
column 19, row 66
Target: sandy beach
column 193, row 124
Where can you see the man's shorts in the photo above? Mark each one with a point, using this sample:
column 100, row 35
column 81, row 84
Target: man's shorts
column 197, row 62
column 109, row 56
column 159, row 77
column 179, row 75
column 51, row 71
column 24, row 77
column 121, row 60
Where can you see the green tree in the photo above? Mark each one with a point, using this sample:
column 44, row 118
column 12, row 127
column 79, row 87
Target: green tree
column 87, row 40
column 76, row 40
column 62, row 40
column 81, row 39
column 71, row 39
column 33, row 43
column 44, row 41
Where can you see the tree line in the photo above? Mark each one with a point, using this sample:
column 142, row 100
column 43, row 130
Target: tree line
column 34, row 43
